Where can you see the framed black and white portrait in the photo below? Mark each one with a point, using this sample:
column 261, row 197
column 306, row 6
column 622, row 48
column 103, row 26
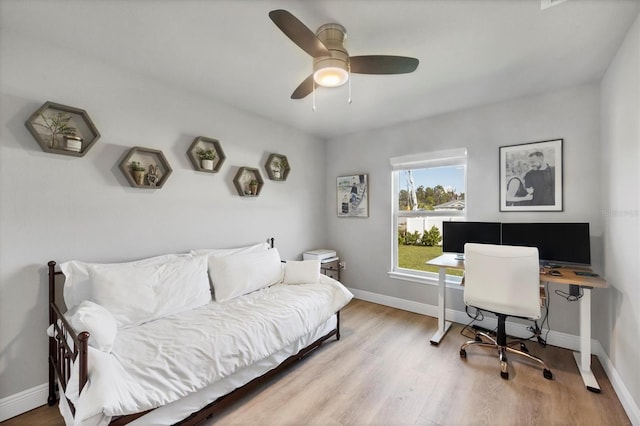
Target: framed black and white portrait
column 531, row 176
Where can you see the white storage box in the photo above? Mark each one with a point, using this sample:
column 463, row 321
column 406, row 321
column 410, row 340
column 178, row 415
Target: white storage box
column 319, row 254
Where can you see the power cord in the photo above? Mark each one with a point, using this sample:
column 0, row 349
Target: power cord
column 479, row 316
column 537, row 331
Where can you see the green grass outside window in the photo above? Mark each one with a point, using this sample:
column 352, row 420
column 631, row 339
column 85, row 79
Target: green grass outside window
column 415, row 257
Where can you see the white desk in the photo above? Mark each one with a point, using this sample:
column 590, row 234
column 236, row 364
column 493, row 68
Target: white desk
column 568, row 277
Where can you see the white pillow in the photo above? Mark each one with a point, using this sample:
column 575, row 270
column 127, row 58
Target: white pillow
column 135, row 294
column 240, row 274
column 302, row 272
column 229, row 251
column 96, row 320
column 76, row 282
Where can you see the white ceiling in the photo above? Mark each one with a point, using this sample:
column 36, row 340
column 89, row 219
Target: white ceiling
column 471, row 52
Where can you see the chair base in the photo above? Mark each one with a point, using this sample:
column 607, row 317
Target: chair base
column 502, row 353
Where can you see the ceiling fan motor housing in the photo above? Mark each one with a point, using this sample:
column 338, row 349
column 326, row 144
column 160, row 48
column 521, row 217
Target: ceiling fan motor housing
column 333, row 36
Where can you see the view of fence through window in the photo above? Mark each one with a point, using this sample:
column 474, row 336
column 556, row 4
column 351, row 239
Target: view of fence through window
column 426, row 198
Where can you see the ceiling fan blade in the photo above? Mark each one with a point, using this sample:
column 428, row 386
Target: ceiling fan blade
column 303, row 89
column 299, row 33
column 383, row 64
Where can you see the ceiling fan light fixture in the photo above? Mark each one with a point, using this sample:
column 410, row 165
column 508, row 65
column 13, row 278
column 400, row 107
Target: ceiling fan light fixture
column 331, row 77
column 330, row 72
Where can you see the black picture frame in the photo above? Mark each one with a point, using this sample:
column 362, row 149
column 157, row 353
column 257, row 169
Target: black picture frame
column 531, row 176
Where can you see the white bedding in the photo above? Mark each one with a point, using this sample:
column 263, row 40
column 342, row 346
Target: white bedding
column 167, row 359
column 178, row 410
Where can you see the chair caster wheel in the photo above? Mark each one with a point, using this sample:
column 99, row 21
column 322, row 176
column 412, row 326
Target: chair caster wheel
column 463, row 353
column 547, row 374
column 504, row 375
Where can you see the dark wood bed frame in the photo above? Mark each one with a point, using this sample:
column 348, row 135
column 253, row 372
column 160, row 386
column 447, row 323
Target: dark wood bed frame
column 62, row 355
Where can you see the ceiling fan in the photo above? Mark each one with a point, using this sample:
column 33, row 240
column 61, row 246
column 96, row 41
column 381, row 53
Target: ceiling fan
column 331, row 61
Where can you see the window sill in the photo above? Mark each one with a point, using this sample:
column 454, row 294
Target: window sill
column 424, row 279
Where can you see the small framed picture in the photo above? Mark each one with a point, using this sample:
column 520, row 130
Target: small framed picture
column 353, row 196
column 531, row 176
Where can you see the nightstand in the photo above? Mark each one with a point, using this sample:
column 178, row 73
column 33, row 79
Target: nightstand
column 331, row 268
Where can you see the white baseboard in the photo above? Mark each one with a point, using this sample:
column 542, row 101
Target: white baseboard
column 562, row 340
column 630, row 406
column 24, row 401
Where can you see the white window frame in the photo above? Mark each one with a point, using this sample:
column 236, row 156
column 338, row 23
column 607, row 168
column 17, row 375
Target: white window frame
column 450, row 157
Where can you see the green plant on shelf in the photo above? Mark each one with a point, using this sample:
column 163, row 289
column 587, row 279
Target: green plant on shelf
column 137, row 167
column 57, row 125
column 279, row 167
column 280, row 164
column 206, row 154
column 253, row 187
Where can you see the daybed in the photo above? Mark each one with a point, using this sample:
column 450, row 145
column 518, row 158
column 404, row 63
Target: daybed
column 145, row 342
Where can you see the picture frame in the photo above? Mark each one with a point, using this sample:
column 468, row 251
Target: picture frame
column 531, row 176
column 352, row 195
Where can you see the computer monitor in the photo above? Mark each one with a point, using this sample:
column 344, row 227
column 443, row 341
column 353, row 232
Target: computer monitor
column 456, row 234
column 556, row 242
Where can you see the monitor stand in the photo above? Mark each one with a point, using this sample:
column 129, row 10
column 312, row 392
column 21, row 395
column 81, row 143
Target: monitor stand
column 459, row 256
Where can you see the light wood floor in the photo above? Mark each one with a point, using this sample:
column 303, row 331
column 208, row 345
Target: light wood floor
column 383, row 371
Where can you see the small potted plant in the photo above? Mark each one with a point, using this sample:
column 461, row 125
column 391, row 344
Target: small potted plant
column 137, row 171
column 279, row 168
column 206, row 157
column 253, row 187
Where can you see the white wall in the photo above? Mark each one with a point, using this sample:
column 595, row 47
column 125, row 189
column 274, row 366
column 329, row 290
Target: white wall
column 619, row 327
column 365, row 244
column 60, row 207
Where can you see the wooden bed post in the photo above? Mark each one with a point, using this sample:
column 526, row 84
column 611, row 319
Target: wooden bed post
column 83, row 340
column 51, row 400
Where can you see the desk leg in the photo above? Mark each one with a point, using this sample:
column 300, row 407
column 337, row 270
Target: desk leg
column 583, row 358
column 443, row 325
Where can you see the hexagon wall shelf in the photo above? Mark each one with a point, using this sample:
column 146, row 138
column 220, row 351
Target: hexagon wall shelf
column 62, row 129
column 243, row 179
column 203, row 143
column 156, row 168
column 277, row 167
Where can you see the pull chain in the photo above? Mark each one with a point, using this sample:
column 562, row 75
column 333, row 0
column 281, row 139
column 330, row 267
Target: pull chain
column 313, row 107
column 349, row 77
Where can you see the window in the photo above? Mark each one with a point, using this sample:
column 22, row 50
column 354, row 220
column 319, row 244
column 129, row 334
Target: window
column 427, row 189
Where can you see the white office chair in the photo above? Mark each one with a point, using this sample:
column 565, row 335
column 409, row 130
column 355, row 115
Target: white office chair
column 505, row 281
